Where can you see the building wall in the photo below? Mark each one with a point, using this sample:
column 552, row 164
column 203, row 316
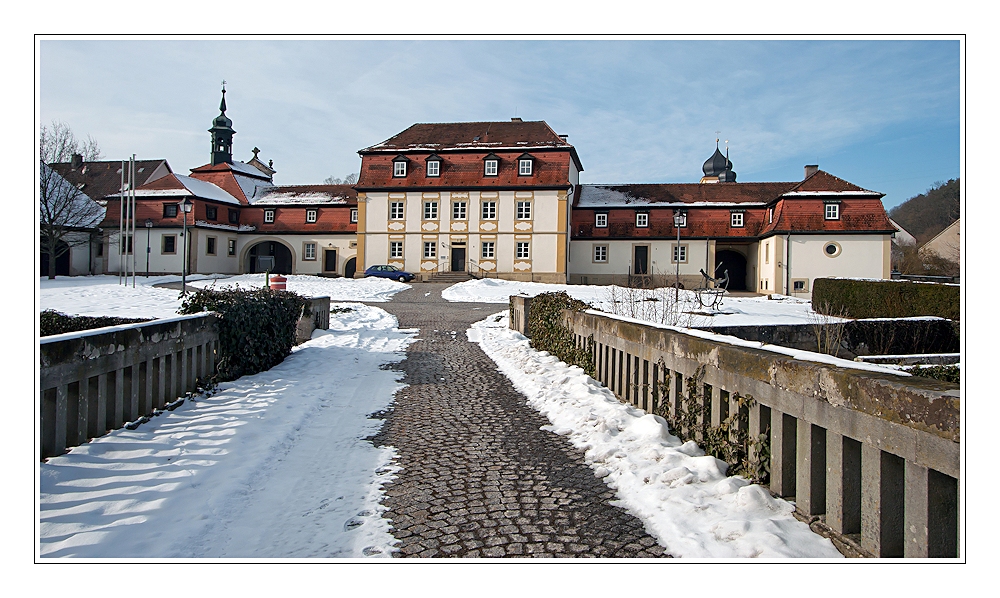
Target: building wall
column 344, row 244
column 584, row 270
column 859, row 256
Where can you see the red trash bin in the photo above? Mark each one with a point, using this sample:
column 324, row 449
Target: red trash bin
column 278, row 283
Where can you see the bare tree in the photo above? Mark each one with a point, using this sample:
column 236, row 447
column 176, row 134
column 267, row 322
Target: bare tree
column 347, row 180
column 66, row 216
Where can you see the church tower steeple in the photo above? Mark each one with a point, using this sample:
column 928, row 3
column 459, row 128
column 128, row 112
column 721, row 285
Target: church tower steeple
column 222, row 134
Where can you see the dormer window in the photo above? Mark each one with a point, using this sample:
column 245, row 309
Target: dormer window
column 602, row 220
column 642, row 219
column 433, row 166
column 310, row 216
column 831, row 211
column 268, row 216
column 491, row 165
column 736, row 219
column 524, row 165
column 399, row 166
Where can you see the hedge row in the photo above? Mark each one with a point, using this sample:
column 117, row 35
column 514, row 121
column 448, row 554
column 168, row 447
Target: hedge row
column 52, row 322
column 885, row 298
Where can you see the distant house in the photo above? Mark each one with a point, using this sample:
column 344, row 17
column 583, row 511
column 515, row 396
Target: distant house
column 902, row 236
column 947, row 244
column 70, row 218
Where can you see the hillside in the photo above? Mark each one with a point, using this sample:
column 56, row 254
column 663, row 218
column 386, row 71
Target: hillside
column 927, row 214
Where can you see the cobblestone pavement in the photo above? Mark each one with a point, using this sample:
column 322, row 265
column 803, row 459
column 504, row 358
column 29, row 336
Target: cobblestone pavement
column 479, row 478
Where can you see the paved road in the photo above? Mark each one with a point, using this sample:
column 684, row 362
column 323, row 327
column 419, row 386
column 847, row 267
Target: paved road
column 479, row 478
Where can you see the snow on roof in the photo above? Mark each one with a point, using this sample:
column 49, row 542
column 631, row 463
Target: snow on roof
column 251, row 187
column 597, row 196
column 206, row 190
column 284, row 198
column 242, row 228
column 247, row 169
column 825, row 193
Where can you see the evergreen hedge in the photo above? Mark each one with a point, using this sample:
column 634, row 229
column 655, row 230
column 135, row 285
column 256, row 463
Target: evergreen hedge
column 547, row 332
column 256, row 327
column 52, row 322
column 885, row 298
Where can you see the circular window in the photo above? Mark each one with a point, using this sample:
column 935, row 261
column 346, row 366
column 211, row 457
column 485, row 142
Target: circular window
column 831, row 249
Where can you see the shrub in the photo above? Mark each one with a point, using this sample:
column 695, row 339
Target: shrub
column 256, row 327
column 52, row 322
column 885, row 298
column 946, row 373
column 547, row 332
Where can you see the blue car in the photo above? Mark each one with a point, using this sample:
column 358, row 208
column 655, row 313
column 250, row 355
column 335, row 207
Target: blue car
column 389, row 272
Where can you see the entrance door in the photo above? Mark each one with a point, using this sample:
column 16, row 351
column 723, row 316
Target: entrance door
column 641, row 262
column 458, row 259
column 329, row 260
column 736, row 264
column 350, row 267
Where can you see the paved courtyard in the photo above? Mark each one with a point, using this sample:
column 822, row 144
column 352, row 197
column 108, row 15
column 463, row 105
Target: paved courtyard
column 479, row 478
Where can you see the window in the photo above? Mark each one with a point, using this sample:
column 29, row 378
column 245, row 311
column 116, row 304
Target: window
column 354, row 215
column 212, row 212
column 399, row 168
column 433, row 168
column 684, row 219
column 268, row 216
column 490, row 167
column 602, row 221
column 169, row 244
column 736, row 219
column 396, row 249
column 458, row 210
column 234, row 216
column 232, row 246
column 770, row 215
column 524, row 167
column 642, row 219
column 430, row 210
column 682, row 250
column 430, row 249
column 767, row 253
column 832, row 249
column 800, row 286
column 832, row 211
column 128, row 244
column 310, row 215
column 396, row 210
column 522, row 250
column 600, row 253
column 170, row 210
column 309, row 251
column 524, row 210
column 210, row 245
column 489, row 210
column 489, row 250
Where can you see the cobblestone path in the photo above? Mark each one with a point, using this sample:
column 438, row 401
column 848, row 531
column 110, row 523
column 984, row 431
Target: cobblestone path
column 479, row 478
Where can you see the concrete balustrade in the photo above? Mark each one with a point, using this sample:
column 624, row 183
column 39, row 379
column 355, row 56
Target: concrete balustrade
column 874, row 456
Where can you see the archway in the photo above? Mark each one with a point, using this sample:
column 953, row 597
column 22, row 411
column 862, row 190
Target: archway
column 350, row 267
column 268, row 255
column 736, row 263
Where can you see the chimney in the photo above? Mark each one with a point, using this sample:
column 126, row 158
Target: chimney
column 77, row 161
column 811, row 170
column 515, row 119
column 565, row 138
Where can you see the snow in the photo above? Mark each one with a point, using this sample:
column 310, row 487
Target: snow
column 278, row 198
column 682, row 495
column 251, row 186
column 602, row 196
column 272, row 465
column 206, row 190
column 372, row 289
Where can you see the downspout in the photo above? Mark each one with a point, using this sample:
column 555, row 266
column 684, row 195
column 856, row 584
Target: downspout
column 788, row 266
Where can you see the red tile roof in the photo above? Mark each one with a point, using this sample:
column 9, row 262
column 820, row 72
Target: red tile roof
column 466, row 170
column 439, row 136
column 104, row 178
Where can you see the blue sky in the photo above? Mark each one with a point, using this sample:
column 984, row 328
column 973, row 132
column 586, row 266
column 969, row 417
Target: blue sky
column 884, row 114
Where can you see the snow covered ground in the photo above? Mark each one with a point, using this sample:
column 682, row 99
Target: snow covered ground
column 683, row 496
column 272, row 465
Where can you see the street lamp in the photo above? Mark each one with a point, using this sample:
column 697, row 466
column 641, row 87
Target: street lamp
column 679, row 219
column 186, row 206
column 149, row 226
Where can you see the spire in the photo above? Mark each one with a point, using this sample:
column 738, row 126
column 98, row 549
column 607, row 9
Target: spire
column 222, row 134
column 222, row 105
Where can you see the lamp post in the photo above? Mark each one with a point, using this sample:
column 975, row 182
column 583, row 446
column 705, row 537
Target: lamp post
column 149, row 226
column 679, row 219
column 186, row 206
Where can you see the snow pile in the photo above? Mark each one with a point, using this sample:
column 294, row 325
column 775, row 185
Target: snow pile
column 683, row 496
column 375, row 290
column 272, row 465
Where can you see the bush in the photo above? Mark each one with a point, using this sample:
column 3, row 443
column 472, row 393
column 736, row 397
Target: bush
column 53, row 322
column 885, row 299
column 256, row 327
column 946, row 373
column 547, row 332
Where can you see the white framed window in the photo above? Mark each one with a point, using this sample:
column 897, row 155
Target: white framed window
column 736, row 219
column 524, row 210
column 522, row 250
column 354, row 215
column 524, row 167
column 600, row 253
column 489, row 210
column 489, row 250
column 396, row 210
column 642, row 219
column 458, row 210
column 601, row 221
column 268, row 216
column 767, row 253
column 310, row 215
column 433, row 168
column 831, row 211
column 430, row 249
column 770, row 215
column 396, row 249
column 399, row 168
column 800, row 285
column 309, row 251
column 680, row 254
column 430, row 210
column 490, row 167
column 232, row 247
column 684, row 219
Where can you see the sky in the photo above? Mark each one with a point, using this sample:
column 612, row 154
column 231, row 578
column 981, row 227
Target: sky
column 884, row 114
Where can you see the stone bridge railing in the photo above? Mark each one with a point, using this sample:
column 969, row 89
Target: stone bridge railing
column 874, row 457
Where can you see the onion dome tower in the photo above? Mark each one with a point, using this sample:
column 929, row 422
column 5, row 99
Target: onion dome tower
column 718, row 168
column 222, row 134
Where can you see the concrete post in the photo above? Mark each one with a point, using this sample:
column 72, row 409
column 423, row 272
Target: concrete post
column 83, row 412
column 62, row 408
column 117, row 410
column 915, row 511
column 810, row 478
column 161, row 382
column 133, row 388
column 942, row 517
column 843, row 484
column 98, row 425
column 783, row 441
column 881, row 502
column 645, row 385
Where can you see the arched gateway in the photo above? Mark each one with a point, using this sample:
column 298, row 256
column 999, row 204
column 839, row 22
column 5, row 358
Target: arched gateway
column 270, row 256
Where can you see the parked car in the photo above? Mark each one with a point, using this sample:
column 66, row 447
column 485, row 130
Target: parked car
column 389, row 272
